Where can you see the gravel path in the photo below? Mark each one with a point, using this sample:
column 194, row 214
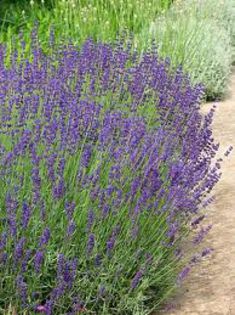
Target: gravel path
column 210, row 289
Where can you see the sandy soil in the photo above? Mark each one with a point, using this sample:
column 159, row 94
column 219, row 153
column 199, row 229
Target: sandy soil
column 210, row 289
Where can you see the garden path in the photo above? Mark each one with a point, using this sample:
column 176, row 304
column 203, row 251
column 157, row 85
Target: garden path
column 210, row 289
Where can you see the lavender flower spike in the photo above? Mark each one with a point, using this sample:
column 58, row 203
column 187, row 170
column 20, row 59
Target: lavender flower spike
column 136, row 280
column 44, row 239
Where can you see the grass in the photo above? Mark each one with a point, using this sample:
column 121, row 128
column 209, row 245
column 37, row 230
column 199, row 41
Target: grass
column 79, row 19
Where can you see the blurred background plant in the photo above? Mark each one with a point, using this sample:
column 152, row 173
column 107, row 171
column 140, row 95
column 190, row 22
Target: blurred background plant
column 199, row 35
column 79, row 19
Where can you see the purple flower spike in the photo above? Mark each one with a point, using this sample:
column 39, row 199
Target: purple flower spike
column 22, row 289
column 137, row 278
column 69, row 208
column 19, row 249
column 11, row 206
column 44, row 239
column 196, row 221
column 59, row 189
column 90, row 220
column 90, row 243
column 38, row 261
column 206, row 252
column 71, row 228
column 110, row 245
column 201, row 234
column 183, row 274
column 26, row 213
column 3, row 240
column 98, row 260
column 49, row 307
column 227, row 153
column 27, row 256
column 60, row 265
column 86, row 155
column 3, row 258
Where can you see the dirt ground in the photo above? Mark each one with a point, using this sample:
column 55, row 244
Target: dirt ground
column 210, row 289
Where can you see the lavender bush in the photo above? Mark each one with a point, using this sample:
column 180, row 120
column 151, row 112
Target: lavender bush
column 105, row 165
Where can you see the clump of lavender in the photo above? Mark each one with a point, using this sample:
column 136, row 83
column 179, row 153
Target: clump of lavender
column 105, row 161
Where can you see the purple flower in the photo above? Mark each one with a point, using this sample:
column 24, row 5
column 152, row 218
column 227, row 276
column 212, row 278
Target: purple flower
column 71, row 228
column 22, row 289
column 66, row 273
column 3, row 258
column 134, row 232
column 73, row 267
column 69, row 273
column 110, row 245
column 90, row 243
column 42, row 211
column 201, row 234
column 61, row 166
column 102, row 291
column 178, row 253
column 90, row 219
column 41, row 309
column 36, row 182
column 86, row 155
column 69, row 208
column 227, row 153
column 50, row 161
column 3, row 240
column 98, row 260
column 44, row 239
column 206, row 252
column 11, row 206
column 36, row 177
column 105, row 211
column 173, row 229
column 196, row 221
column 27, row 256
column 19, row 250
column 26, row 213
column 38, row 261
column 137, row 278
column 60, row 265
column 49, row 305
column 135, row 186
column 59, row 189
column 183, row 274
column 194, row 260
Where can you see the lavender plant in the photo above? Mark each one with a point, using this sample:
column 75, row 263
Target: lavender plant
column 105, row 165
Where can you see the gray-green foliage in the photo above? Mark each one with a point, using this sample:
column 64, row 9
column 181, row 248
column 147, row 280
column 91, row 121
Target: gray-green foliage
column 198, row 35
column 222, row 12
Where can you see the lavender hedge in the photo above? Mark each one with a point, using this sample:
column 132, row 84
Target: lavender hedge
column 105, row 165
